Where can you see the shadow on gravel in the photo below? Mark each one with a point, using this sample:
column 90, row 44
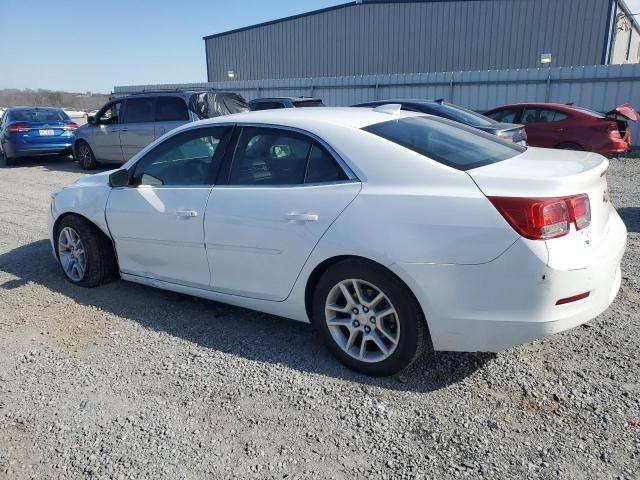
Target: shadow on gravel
column 631, row 218
column 252, row 335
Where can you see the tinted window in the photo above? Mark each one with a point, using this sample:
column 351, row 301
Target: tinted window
column 139, row 110
column 453, row 145
column 266, row 106
column 542, row 115
column 171, row 109
column 269, row 157
column 506, row 116
column 322, row 167
column 308, row 103
column 593, row 113
column 184, row 159
column 111, row 115
column 37, row 115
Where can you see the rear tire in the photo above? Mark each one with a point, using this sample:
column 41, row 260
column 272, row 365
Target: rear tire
column 570, row 146
column 9, row 162
column 84, row 156
column 354, row 323
column 84, row 252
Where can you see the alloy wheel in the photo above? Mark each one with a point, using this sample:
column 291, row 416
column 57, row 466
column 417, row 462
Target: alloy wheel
column 73, row 257
column 84, row 155
column 362, row 320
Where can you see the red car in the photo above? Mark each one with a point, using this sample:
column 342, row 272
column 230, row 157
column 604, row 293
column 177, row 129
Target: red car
column 554, row 125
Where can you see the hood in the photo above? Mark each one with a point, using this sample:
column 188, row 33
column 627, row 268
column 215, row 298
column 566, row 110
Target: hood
column 101, row 178
column 624, row 110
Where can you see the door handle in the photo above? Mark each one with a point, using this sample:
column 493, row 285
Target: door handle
column 186, row 213
column 123, row 130
column 302, row 217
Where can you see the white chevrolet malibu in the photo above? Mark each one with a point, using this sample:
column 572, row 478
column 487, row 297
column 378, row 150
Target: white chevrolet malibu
column 390, row 231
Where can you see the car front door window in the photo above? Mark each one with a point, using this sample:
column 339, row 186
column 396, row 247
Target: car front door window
column 183, row 160
column 111, row 115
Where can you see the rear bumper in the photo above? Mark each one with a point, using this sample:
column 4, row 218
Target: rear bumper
column 17, row 150
column 512, row 300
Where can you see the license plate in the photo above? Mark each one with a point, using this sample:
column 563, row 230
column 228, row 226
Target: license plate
column 46, row 133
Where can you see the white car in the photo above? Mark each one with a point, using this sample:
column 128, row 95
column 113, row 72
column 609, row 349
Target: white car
column 72, row 113
column 391, row 231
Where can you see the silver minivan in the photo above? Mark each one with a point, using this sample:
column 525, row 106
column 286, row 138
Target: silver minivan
column 124, row 126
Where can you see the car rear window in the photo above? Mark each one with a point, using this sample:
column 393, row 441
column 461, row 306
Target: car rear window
column 451, row 144
column 462, row 115
column 308, row 103
column 37, row 115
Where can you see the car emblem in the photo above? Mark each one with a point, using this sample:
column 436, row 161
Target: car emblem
column 605, row 196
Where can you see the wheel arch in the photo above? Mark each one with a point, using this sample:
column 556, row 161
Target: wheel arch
column 56, row 228
column 322, row 267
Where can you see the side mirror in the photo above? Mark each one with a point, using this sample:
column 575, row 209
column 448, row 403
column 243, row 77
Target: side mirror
column 119, row 178
column 91, row 120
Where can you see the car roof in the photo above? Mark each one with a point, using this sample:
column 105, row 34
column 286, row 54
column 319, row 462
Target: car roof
column 293, row 99
column 535, row 104
column 352, row 117
column 32, row 108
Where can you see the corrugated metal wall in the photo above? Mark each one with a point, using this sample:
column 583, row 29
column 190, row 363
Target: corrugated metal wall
column 599, row 87
column 405, row 37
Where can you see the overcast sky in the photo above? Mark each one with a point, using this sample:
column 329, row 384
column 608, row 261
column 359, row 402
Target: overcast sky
column 92, row 46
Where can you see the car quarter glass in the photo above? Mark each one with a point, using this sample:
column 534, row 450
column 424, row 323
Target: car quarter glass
column 444, row 141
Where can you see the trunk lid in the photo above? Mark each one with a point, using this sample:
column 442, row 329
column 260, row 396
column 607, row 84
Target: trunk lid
column 624, row 110
column 547, row 173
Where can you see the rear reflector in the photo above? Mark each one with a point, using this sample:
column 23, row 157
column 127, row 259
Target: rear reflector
column 544, row 218
column 575, row 298
column 17, row 127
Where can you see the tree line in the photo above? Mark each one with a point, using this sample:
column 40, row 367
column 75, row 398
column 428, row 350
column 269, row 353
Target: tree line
column 10, row 97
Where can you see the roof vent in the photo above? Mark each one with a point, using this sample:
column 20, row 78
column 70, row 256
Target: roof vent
column 389, row 108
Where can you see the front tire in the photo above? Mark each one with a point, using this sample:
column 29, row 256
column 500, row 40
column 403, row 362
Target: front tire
column 84, row 155
column 368, row 318
column 85, row 254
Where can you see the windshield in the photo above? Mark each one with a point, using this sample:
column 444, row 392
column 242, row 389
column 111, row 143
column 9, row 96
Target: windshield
column 446, row 142
column 462, row 115
column 38, row 115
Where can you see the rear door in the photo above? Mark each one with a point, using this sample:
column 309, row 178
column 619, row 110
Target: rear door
column 275, row 199
column 544, row 126
column 138, row 125
column 171, row 112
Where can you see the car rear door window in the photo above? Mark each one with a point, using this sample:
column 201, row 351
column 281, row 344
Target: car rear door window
column 444, row 141
column 322, row 167
column 171, row 109
column 266, row 156
column 183, row 160
column 139, row 110
column 542, row 115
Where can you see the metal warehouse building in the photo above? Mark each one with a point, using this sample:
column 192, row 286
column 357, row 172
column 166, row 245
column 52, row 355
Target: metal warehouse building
column 382, row 37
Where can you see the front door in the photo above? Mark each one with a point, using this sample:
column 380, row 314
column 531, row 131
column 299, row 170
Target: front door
column 281, row 193
column 138, row 125
column 157, row 221
column 105, row 134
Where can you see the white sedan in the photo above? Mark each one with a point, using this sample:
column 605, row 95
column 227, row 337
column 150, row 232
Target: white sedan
column 392, row 232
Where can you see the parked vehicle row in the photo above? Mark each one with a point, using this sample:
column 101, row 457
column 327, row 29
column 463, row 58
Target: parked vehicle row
column 391, row 231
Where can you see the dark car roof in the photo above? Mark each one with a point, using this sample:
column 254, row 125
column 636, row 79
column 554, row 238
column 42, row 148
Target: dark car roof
column 33, row 108
column 561, row 106
column 293, row 99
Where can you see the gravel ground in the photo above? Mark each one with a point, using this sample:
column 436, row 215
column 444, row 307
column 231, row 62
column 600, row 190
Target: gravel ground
column 125, row 381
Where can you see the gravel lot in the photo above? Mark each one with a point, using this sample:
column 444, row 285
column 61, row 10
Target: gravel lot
column 125, row 381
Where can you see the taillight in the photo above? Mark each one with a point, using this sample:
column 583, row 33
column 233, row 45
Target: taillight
column 544, row 218
column 580, row 210
column 17, row 127
column 69, row 127
column 505, row 137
